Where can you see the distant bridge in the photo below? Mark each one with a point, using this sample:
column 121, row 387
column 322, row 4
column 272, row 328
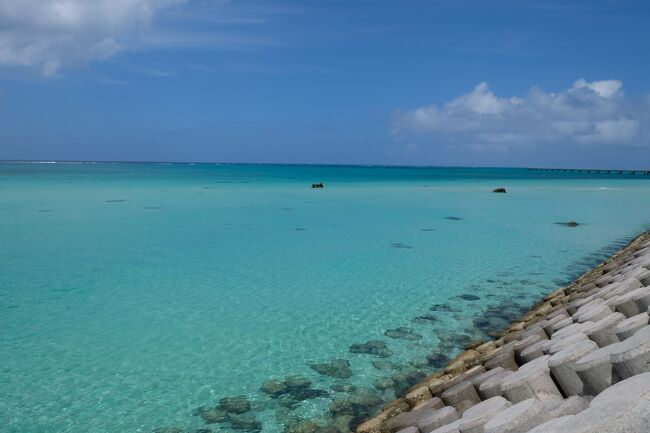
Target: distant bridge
column 594, row 171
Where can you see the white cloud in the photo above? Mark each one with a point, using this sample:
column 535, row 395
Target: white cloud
column 53, row 34
column 588, row 113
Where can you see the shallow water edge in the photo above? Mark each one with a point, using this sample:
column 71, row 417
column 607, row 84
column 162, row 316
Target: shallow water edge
column 351, row 406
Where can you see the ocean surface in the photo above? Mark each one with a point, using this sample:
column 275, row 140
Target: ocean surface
column 132, row 294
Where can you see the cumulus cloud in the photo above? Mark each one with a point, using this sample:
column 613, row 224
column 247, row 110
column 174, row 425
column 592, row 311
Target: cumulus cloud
column 53, row 34
column 587, row 113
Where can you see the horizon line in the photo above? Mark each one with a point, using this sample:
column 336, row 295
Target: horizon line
column 351, row 165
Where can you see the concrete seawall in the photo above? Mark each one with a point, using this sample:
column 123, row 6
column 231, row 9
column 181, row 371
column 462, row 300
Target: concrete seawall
column 578, row 361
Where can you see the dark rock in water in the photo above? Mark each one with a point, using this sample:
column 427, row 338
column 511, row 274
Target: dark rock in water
column 424, row 319
column 338, row 368
column 444, row 308
column 213, row 415
column 274, row 387
column 300, row 229
column 317, row 185
column 301, row 394
column 356, row 422
column 406, row 379
column 427, row 230
column 403, row 333
column 419, row 363
column 469, row 297
column 569, row 224
column 287, row 401
column 307, row 426
column 372, row 347
column 342, row 387
column 236, row 405
column 116, row 201
column 401, row 245
column 501, row 190
column 168, row 430
column 453, row 218
column 438, row 360
column 384, row 365
column 203, row 430
column 362, row 402
column 297, row 382
column 384, row 383
column 246, row 421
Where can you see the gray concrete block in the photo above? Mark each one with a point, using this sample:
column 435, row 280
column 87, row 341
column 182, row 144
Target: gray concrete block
column 532, row 380
column 632, row 356
column 561, row 366
column 449, row 428
column 603, row 332
column 492, row 386
column 477, row 416
column 519, row 418
column 461, row 396
column 532, row 352
column 595, row 370
column 628, row 327
column 437, row 419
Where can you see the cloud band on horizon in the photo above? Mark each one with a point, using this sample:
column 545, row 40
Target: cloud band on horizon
column 588, row 113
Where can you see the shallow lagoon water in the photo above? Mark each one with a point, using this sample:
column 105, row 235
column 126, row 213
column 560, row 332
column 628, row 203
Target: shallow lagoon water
column 130, row 294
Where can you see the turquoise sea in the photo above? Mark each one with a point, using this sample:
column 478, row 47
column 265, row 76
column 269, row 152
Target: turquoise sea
column 132, row 294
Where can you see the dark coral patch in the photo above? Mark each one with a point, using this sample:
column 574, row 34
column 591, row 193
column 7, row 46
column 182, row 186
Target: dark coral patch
column 372, row 347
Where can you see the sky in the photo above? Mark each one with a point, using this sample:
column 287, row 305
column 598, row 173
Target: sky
column 405, row 82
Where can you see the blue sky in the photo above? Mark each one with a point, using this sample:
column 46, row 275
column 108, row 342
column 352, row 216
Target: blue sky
column 524, row 83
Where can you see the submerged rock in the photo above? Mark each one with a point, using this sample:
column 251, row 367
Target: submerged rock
column 213, row 415
column 384, row 365
column 362, row 402
column 274, row 387
column 338, row 368
column 438, row 360
column 444, row 308
column 301, row 394
column 237, row 405
column 343, row 387
column 403, row 333
column 297, row 382
column 384, row 383
column 453, row 218
column 245, row 421
column 400, row 245
column 406, row 379
column 419, row 363
column 468, row 297
column 372, row 347
column 568, row 224
column 168, row 430
column 501, row 190
column 425, row 318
